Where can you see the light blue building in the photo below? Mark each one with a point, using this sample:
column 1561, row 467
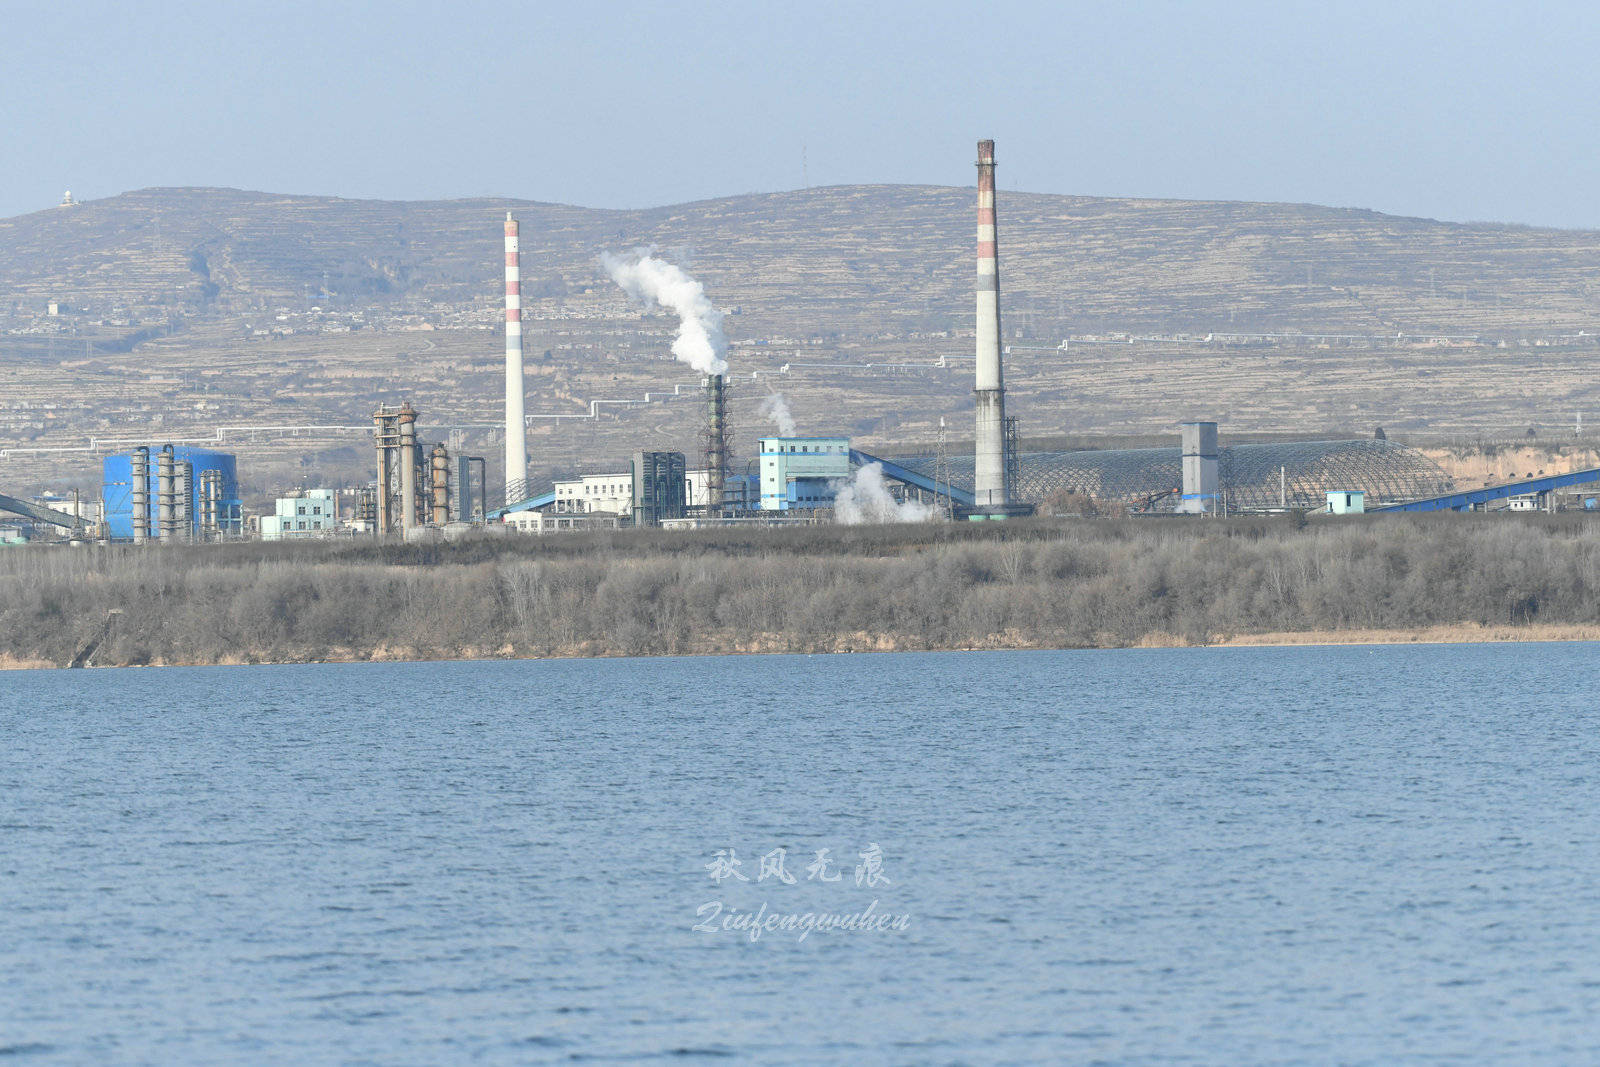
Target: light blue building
column 800, row 472
column 307, row 514
column 1347, row 501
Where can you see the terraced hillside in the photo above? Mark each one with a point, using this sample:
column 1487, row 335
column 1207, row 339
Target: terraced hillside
column 852, row 258
column 179, row 311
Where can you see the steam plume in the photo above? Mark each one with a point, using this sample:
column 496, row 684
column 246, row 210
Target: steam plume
column 700, row 342
column 774, row 407
column 866, row 499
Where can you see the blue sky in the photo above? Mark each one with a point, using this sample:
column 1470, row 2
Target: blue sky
column 1454, row 111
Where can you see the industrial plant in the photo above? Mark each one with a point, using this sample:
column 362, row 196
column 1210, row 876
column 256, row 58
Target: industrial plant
column 171, row 492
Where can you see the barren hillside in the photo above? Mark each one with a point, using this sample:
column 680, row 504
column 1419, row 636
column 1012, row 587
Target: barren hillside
column 179, row 311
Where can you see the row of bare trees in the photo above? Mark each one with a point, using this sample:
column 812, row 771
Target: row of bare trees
column 1072, row 583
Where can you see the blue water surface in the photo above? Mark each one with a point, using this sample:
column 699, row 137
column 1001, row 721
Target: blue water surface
column 1302, row 855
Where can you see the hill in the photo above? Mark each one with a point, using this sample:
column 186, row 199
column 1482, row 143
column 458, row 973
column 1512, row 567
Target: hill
column 855, row 256
column 179, row 311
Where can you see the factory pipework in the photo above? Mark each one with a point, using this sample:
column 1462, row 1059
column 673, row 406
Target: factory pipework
column 471, row 480
column 989, row 392
column 516, row 427
column 210, row 504
column 183, row 487
column 382, row 437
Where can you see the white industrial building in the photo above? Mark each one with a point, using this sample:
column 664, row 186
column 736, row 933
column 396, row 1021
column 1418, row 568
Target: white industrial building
column 791, row 473
column 543, row 522
column 611, row 493
column 309, row 513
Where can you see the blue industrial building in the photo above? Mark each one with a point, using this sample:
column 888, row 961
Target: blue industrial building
column 117, row 483
column 799, row 472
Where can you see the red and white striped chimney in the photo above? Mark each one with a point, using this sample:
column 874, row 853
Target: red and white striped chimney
column 516, row 430
column 990, row 474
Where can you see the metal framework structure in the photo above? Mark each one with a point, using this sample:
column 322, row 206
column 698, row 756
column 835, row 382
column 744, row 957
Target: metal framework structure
column 412, row 487
column 49, row 516
column 1471, row 499
column 1296, row 474
column 1012, row 454
column 718, row 440
column 659, row 487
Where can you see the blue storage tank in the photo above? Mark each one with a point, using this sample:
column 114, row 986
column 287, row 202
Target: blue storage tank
column 117, row 479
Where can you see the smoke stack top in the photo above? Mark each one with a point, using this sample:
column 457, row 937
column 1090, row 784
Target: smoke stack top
column 700, row 342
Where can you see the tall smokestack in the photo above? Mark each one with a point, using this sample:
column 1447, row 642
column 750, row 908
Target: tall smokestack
column 516, row 431
column 990, row 392
column 716, row 443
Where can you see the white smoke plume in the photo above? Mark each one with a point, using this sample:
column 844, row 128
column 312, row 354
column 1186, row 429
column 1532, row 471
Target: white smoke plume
column 700, row 342
column 866, row 500
column 774, row 407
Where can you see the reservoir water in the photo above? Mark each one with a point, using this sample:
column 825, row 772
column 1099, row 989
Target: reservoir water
column 1308, row 855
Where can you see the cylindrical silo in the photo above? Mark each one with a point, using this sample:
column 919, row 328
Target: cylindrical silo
column 408, row 468
column 139, row 490
column 165, row 477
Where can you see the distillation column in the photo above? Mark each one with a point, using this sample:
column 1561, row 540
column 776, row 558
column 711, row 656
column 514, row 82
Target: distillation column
column 989, row 394
column 380, row 497
column 139, row 492
column 183, row 488
column 441, row 485
column 407, row 418
column 164, row 494
column 210, row 505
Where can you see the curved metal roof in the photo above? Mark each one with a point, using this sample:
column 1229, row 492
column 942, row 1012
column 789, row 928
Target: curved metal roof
column 1251, row 475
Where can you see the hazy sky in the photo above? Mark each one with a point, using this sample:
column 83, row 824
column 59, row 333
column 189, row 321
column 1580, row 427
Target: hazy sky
column 1449, row 110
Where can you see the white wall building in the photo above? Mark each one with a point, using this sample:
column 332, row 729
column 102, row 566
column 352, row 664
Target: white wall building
column 737, row 490
column 612, row 493
column 306, row 514
column 543, row 522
